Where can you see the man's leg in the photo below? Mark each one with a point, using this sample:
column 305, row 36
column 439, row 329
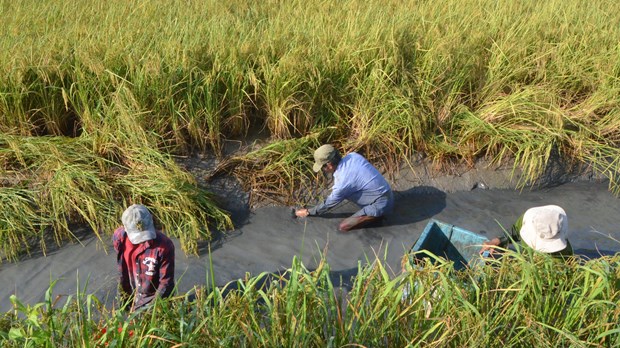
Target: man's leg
column 354, row 222
column 368, row 214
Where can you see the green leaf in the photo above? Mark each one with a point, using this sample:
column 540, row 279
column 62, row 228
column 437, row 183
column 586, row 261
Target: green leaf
column 16, row 333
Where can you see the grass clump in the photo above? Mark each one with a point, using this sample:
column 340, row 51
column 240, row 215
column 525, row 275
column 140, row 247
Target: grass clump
column 521, row 300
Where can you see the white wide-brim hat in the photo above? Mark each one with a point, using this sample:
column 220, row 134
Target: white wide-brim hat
column 545, row 228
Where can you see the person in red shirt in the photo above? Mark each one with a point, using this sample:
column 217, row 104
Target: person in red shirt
column 145, row 259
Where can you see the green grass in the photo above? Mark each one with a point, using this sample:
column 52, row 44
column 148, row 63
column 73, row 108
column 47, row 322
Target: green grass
column 454, row 81
column 521, row 300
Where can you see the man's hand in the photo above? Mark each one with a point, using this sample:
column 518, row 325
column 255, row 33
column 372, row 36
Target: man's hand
column 490, row 245
column 302, row 212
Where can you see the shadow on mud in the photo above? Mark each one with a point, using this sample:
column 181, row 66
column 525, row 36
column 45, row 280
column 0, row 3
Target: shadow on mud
column 416, row 204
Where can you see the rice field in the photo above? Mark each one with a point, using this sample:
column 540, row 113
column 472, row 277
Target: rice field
column 97, row 98
column 522, row 300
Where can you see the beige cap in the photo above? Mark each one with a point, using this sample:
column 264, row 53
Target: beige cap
column 545, row 228
column 323, row 155
column 138, row 223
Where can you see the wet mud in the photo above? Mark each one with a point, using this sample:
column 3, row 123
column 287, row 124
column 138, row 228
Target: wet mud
column 266, row 239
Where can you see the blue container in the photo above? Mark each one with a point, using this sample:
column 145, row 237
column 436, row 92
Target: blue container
column 456, row 244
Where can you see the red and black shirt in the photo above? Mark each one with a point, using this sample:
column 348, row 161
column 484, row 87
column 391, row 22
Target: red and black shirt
column 145, row 270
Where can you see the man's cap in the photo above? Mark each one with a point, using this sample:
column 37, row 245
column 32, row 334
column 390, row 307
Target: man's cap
column 138, row 223
column 545, row 228
column 322, row 155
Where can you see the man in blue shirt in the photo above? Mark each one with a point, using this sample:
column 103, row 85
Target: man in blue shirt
column 356, row 180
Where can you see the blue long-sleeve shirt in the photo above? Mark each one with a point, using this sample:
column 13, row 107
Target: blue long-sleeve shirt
column 357, row 180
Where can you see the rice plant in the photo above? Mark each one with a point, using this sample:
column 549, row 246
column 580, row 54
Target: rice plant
column 520, row 300
column 277, row 171
column 449, row 81
column 57, row 182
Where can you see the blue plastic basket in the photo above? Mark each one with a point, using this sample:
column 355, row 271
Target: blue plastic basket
column 454, row 243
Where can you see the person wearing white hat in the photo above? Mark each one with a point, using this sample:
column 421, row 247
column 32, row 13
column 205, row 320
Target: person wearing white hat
column 543, row 229
column 356, row 180
column 145, row 259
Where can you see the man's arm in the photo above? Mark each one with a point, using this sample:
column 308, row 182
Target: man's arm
column 116, row 239
column 337, row 195
column 506, row 238
column 325, row 206
column 320, row 208
column 514, row 234
column 166, row 272
column 123, row 287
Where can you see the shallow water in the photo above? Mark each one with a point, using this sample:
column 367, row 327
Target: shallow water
column 268, row 239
